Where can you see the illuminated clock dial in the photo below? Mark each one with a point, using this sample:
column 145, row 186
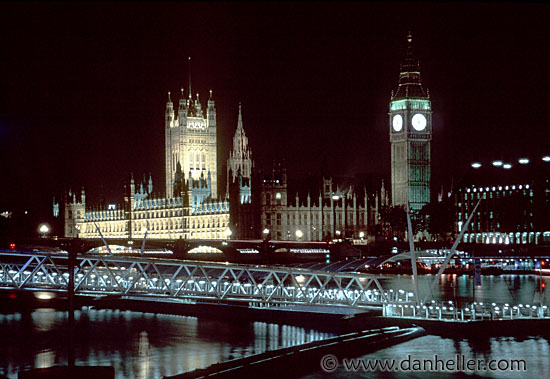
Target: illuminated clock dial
column 397, row 122
column 419, row 122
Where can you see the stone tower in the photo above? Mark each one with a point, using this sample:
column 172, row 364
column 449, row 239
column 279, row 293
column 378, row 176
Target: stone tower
column 190, row 140
column 410, row 124
column 240, row 162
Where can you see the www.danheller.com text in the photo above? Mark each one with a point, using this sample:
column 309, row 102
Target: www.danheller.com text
column 456, row 363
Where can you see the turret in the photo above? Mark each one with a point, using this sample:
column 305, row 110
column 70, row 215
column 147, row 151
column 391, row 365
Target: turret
column 211, row 112
column 198, row 106
column 150, row 185
column 182, row 108
column 132, row 185
column 169, row 112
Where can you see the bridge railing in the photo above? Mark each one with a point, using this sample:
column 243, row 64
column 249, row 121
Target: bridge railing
column 176, row 279
column 474, row 311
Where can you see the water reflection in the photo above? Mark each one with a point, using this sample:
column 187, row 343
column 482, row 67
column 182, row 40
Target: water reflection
column 513, row 289
column 534, row 351
column 44, row 359
column 151, row 346
column 136, row 344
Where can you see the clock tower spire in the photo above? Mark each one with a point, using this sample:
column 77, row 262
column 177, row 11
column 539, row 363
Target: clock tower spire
column 410, row 127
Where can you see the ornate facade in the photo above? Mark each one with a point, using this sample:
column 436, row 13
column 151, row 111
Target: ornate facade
column 410, row 123
column 191, row 142
column 189, row 216
column 335, row 213
column 190, row 208
column 240, row 162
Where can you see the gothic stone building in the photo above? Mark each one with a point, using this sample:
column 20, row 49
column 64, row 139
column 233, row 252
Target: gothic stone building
column 335, row 213
column 191, row 208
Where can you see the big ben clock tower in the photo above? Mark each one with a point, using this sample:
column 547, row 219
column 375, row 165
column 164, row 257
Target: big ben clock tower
column 410, row 126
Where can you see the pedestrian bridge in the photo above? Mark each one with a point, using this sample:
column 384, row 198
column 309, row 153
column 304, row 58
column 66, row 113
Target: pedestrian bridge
column 176, row 280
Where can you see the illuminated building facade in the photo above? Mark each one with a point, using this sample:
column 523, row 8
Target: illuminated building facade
column 193, row 215
column 410, row 123
column 190, row 142
column 191, row 208
column 514, row 204
column 334, row 214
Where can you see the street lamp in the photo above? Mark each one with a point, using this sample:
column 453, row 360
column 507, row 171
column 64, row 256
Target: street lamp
column 44, row 229
column 361, row 235
column 228, row 233
column 299, row 234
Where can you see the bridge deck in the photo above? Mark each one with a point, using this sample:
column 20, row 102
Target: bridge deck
column 175, row 279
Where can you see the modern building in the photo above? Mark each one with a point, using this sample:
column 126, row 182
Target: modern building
column 410, row 124
column 514, row 202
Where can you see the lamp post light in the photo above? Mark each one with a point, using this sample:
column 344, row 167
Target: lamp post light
column 299, row 234
column 44, row 229
column 228, row 233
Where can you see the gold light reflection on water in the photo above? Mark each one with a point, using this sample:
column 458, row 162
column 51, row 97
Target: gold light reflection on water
column 46, row 319
column 159, row 345
column 44, row 359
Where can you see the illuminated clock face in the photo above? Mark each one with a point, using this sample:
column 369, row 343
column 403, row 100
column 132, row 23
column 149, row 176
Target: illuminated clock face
column 397, row 122
column 419, row 122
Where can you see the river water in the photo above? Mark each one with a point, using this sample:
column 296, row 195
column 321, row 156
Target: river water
column 145, row 345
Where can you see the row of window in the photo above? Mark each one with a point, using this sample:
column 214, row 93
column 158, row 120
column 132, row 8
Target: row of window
column 158, row 214
column 496, row 195
column 299, row 219
column 118, row 227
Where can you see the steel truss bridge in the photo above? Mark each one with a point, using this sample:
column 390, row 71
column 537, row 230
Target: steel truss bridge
column 191, row 281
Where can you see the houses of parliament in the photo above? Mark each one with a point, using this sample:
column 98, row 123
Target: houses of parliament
column 256, row 204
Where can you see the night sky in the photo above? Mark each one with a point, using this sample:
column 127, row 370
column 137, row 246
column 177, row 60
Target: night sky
column 84, row 86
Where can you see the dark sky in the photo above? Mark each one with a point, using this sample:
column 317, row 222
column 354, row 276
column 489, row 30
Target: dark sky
column 83, row 86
